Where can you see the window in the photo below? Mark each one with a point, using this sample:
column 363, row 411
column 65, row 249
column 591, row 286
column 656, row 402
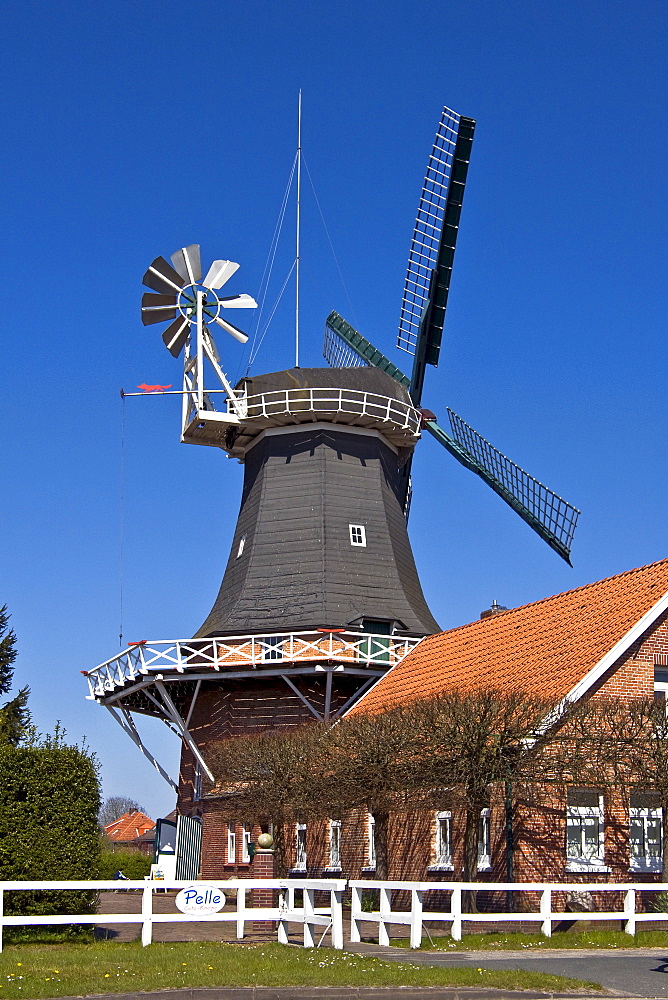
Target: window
column 646, row 834
column 300, row 847
column 357, row 534
column 584, row 830
column 247, row 831
column 371, row 842
column 242, row 545
column 197, row 782
column 443, row 842
column 335, row 844
column 231, row 845
column 660, row 684
column 484, row 852
column 272, row 647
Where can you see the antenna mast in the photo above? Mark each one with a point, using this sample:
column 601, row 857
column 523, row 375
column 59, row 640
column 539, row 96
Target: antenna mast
column 299, row 189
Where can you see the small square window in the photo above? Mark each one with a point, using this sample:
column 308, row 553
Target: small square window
column 357, row 534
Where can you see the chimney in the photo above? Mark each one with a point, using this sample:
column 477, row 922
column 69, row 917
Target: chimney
column 494, row 609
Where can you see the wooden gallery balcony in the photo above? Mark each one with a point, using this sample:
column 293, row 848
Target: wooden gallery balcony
column 236, row 657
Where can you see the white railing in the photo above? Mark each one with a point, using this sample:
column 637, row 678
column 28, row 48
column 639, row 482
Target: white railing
column 331, row 404
column 549, row 909
column 180, row 655
column 330, row 918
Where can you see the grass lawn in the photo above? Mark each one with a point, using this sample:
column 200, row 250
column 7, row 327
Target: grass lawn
column 560, row 939
column 36, row 971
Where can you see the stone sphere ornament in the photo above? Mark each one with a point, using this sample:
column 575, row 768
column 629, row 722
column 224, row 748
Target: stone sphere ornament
column 265, row 841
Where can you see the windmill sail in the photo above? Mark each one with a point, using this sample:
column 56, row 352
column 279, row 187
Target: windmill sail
column 550, row 516
column 344, row 347
column 432, row 249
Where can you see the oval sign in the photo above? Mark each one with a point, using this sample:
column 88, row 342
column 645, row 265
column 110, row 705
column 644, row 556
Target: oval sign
column 200, row 898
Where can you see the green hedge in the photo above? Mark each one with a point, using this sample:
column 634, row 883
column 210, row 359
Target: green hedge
column 49, row 801
column 134, row 864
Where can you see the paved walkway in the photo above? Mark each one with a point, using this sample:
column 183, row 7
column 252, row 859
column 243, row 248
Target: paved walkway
column 636, row 972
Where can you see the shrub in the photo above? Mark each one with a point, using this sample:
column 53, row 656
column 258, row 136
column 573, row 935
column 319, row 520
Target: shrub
column 133, row 864
column 49, row 801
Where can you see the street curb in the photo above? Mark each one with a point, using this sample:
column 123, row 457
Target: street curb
column 341, row 993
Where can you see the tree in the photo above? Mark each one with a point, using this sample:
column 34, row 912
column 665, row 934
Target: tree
column 116, row 806
column 372, row 760
column 14, row 714
column 629, row 750
column 278, row 776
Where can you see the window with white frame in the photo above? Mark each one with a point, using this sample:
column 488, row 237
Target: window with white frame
column 335, row 844
column 646, row 834
column 484, row 850
column 585, row 832
column 246, row 835
column 231, row 844
column 370, row 842
column 443, row 841
column 242, row 546
column 300, row 847
column 660, row 684
column 357, row 534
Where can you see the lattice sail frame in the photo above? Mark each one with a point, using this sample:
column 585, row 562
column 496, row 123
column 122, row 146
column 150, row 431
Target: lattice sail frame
column 423, row 253
column 552, row 511
column 339, row 354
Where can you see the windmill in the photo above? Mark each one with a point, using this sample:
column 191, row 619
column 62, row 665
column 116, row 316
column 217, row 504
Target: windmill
column 320, row 595
column 421, row 320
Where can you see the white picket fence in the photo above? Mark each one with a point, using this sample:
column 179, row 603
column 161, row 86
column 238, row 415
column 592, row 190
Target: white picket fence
column 329, row 919
column 548, row 910
column 326, row 918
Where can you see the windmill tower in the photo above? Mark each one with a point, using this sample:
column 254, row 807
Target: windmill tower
column 320, row 595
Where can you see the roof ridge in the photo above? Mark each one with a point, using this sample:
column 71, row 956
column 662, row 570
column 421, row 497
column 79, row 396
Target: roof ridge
column 550, row 597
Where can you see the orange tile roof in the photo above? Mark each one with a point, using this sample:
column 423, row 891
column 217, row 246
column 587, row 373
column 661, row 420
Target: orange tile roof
column 129, row 826
column 542, row 648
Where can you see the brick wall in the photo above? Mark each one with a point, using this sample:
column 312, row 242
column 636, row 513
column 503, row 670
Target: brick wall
column 539, row 825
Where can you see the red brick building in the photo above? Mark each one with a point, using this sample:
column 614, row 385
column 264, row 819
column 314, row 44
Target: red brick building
column 608, row 638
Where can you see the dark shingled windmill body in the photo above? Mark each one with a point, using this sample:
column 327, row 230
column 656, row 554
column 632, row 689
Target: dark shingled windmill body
column 320, row 595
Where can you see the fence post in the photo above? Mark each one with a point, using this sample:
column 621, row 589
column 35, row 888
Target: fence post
column 416, row 917
column 630, row 912
column 147, row 914
column 355, row 908
column 336, row 904
column 309, row 911
column 2, row 912
column 241, row 910
column 546, row 912
column 385, row 913
column 456, row 910
column 282, row 922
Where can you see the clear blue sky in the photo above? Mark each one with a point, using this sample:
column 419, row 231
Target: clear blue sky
column 132, row 129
